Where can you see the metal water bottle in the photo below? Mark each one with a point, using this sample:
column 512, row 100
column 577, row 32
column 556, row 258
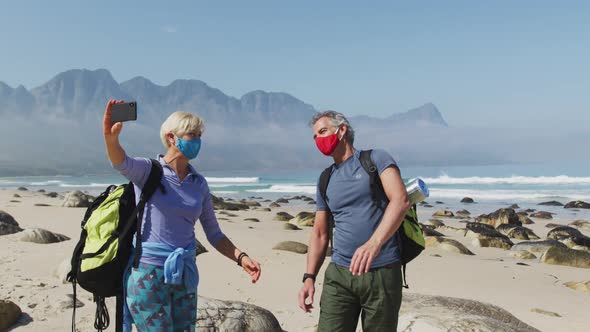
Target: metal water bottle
column 417, row 191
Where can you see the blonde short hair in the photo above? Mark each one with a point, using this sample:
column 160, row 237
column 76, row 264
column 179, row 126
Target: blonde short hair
column 180, row 123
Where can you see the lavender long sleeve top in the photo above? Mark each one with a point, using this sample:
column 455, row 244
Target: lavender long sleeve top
column 170, row 217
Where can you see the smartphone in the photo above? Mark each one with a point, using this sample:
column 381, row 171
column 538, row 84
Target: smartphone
column 124, row 112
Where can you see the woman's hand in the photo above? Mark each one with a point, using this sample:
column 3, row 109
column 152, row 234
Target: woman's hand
column 252, row 267
column 110, row 130
column 111, row 133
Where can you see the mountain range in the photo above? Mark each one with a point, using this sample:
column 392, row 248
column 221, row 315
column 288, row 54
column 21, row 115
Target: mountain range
column 55, row 128
column 81, row 94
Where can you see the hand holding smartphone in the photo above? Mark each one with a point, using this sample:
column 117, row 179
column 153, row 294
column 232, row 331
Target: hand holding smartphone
column 123, row 112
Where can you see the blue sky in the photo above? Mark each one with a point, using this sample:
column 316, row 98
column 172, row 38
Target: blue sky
column 521, row 64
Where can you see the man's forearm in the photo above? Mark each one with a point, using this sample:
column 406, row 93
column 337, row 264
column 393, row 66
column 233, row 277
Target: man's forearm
column 316, row 253
column 391, row 221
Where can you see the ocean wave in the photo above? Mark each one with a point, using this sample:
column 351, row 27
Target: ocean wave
column 287, row 188
column 499, row 195
column 232, row 180
column 91, row 185
column 238, row 185
column 12, row 183
column 225, row 192
column 530, row 180
column 45, row 183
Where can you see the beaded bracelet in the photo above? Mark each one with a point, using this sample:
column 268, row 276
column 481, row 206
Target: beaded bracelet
column 240, row 257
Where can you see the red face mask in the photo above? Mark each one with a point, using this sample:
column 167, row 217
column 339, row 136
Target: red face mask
column 328, row 144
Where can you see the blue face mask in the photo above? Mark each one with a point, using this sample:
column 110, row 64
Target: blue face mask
column 189, row 147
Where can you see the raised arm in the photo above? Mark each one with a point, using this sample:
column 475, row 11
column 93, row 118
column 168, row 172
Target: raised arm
column 111, row 134
column 135, row 169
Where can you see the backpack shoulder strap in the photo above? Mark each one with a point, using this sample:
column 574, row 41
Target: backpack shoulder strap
column 377, row 191
column 153, row 182
column 324, row 180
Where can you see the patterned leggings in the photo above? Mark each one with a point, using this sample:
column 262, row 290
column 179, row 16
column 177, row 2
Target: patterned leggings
column 156, row 306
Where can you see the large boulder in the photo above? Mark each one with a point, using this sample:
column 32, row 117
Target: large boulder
column 9, row 314
column 522, row 254
column 578, row 242
column 480, row 228
column 292, row 246
column 443, row 213
column 537, row 247
column 501, row 216
column 542, row 215
column 522, row 233
column 463, row 213
column 250, row 203
column 304, row 219
column 525, row 220
column 551, row 203
column 577, row 205
column 451, row 229
column 517, row 232
column 41, row 236
column 436, row 222
column 566, row 256
column 440, row 313
column 77, row 198
column 307, row 199
column 581, row 224
column 290, row 227
column 486, row 241
column 429, row 231
column 449, row 245
column 217, row 315
column 484, row 235
column 221, row 204
column 467, row 200
column 283, row 216
column 552, row 225
column 563, row 232
column 7, row 224
column 583, row 286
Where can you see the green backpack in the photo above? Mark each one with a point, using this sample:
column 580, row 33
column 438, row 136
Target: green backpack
column 411, row 239
column 105, row 247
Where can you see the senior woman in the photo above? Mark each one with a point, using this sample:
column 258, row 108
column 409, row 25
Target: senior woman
column 155, row 303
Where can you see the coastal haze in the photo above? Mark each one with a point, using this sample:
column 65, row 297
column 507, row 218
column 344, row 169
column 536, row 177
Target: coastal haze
column 487, row 102
column 55, row 129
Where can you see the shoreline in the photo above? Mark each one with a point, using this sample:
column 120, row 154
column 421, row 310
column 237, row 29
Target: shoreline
column 491, row 275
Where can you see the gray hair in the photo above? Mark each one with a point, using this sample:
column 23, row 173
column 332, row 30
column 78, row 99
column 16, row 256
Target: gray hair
column 180, row 123
column 336, row 120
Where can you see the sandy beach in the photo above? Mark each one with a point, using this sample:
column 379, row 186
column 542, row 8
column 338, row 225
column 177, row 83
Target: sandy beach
column 30, row 271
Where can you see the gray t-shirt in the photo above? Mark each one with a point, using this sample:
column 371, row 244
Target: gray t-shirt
column 355, row 214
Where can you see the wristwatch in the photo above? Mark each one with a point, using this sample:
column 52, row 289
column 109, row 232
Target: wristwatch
column 308, row 275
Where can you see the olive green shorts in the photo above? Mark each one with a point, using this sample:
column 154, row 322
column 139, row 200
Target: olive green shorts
column 376, row 296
